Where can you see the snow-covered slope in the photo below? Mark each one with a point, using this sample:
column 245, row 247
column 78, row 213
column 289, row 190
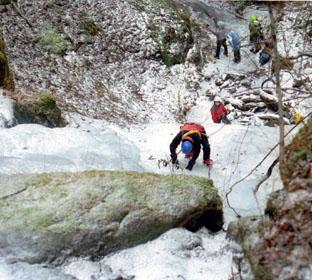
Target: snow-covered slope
column 157, row 95
column 94, row 144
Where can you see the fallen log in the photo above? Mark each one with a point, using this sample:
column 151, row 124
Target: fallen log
column 270, row 100
column 251, row 98
column 236, row 103
column 253, row 105
column 272, row 117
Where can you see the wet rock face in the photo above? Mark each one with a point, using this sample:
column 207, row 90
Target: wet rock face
column 50, row 217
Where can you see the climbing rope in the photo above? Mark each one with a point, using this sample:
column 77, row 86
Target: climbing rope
column 215, row 131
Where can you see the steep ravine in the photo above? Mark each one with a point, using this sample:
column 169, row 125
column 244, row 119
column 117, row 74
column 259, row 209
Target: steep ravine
column 150, row 74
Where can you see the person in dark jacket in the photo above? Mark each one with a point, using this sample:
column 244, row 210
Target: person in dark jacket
column 219, row 112
column 192, row 136
column 221, row 33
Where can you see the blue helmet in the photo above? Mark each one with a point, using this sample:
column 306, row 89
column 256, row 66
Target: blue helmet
column 187, row 147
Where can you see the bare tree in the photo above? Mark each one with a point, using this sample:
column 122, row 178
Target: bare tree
column 277, row 68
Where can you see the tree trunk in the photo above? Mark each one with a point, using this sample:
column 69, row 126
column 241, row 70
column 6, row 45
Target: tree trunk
column 276, row 62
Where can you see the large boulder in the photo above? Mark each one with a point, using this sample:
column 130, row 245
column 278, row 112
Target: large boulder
column 276, row 245
column 49, row 217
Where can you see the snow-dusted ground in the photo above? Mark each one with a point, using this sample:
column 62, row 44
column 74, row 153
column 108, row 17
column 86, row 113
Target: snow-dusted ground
column 176, row 255
column 94, row 144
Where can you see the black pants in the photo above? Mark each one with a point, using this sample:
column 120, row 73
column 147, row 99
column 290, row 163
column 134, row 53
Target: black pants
column 224, row 120
column 255, row 42
column 237, row 56
column 219, row 44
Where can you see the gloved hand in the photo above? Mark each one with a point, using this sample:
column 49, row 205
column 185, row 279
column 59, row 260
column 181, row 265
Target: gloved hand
column 208, row 162
column 189, row 167
column 173, row 158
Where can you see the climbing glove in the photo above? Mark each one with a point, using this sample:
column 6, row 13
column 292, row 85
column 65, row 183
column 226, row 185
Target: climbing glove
column 208, row 162
column 173, row 158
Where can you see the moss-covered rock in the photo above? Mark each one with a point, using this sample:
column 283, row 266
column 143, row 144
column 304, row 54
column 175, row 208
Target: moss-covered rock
column 48, row 217
column 6, row 79
column 41, row 109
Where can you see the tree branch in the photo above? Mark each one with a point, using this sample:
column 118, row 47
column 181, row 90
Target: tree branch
column 277, row 62
column 267, row 175
column 301, row 54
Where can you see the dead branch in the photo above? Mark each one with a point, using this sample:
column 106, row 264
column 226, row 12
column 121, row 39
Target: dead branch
column 301, row 54
column 267, row 175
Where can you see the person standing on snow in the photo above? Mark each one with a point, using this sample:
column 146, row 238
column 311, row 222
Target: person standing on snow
column 219, row 112
column 220, row 33
column 255, row 33
column 235, row 43
column 192, row 136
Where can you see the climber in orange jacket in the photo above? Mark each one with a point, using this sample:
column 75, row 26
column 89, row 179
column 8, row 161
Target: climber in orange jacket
column 192, row 136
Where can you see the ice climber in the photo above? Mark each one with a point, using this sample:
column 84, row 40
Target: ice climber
column 192, row 136
column 221, row 33
column 235, row 43
column 219, row 112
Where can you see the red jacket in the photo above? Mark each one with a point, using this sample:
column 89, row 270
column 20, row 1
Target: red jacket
column 192, row 126
column 218, row 112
